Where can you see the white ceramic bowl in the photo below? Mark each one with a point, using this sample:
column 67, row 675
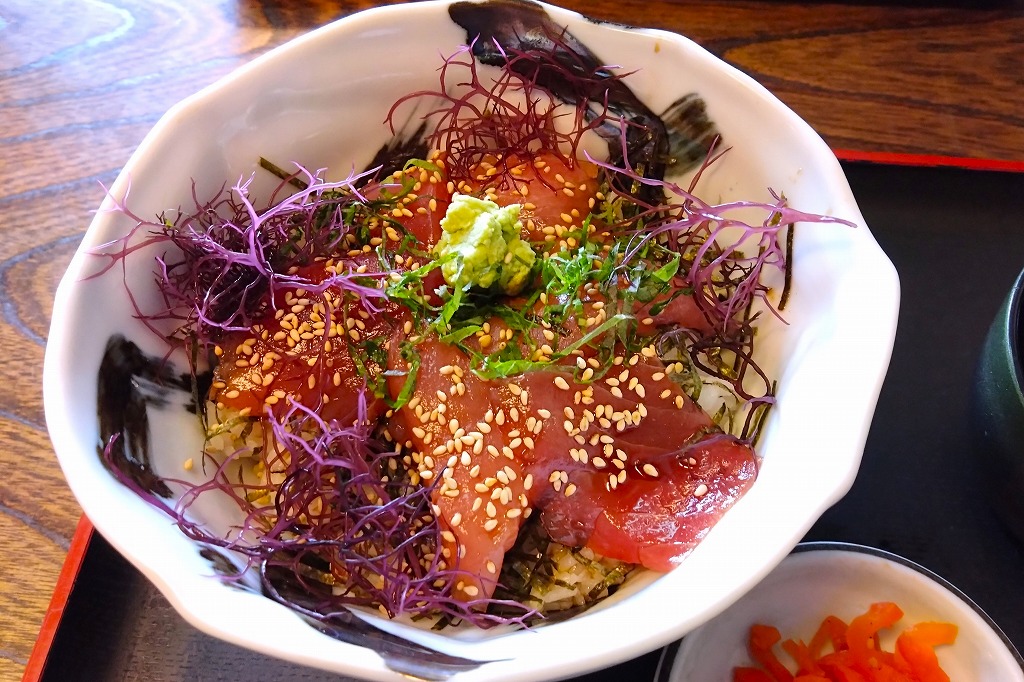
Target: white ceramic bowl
column 841, row 579
column 321, row 100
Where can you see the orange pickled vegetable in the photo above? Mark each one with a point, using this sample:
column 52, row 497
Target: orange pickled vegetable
column 851, row 653
column 801, row 655
column 916, row 647
column 862, row 635
column 762, row 639
column 831, row 630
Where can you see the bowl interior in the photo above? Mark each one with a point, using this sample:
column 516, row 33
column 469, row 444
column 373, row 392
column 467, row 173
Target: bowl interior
column 321, row 101
column 843, row 580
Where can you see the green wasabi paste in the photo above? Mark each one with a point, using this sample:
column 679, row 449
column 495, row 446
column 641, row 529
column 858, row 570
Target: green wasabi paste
column 480, row 246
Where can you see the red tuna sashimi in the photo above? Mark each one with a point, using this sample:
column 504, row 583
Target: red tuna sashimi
column 555, row 197
column 306, row 352
column 586, row 477
column 627, row 464
column 421, row 198
column 619, row 454
column 657, row 521
column 681, row 311
column 459, row 440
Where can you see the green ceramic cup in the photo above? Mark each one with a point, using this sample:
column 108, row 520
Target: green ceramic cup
column 998, row 409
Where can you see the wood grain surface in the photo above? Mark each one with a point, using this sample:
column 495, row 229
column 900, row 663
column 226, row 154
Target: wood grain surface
column 82, row 81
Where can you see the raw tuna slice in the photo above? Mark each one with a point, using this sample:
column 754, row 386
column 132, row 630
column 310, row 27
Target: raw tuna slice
column 625, row 464
column 657, row 521
column 462, row 436
column 631, row 452
column 305, row 351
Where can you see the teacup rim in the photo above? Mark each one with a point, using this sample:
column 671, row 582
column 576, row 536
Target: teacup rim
column 1013, row 328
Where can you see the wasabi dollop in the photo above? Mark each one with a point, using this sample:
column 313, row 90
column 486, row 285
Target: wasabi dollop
column 480, row 245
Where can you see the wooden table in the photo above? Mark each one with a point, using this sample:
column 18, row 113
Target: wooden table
column 82, row 82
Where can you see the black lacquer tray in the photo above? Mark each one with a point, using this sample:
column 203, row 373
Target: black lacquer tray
column 957, row 238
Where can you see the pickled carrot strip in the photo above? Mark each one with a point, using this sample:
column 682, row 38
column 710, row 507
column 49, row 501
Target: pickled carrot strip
column 831, row 630
column 916, row 646
column 801, row 655
column 856, row 654
column 762, row 639
column 861, row 636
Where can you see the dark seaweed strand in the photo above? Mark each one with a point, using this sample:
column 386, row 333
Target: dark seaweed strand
column 528, row 565
column 290, row 178
column 788, row 282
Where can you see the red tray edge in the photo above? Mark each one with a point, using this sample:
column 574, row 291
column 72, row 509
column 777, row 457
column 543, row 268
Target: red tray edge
column 930, row 160
column 61, row 593
column 83, row 531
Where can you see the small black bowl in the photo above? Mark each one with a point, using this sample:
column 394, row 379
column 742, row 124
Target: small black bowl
column 997, row 410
